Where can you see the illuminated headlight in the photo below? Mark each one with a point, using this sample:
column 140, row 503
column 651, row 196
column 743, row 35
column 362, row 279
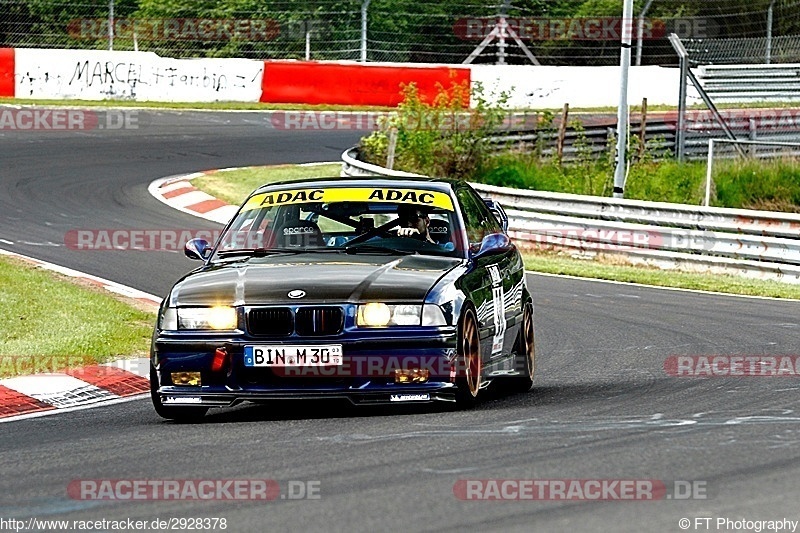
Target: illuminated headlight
column 379, row 315
column 219, row 317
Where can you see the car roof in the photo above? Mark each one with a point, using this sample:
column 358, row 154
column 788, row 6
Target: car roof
column 433, row 184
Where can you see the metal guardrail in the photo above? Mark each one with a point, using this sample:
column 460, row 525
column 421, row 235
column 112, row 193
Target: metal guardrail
column 761, row 83
column 752, row 243
column 351, row 166
column 597, row 140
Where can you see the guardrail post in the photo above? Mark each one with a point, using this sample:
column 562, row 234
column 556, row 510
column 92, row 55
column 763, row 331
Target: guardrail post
column 709, row 166
column 643, row 130
column 562, row 133
column 611, row 138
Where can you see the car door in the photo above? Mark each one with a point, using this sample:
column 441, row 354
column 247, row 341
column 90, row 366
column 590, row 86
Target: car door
column 493, row 279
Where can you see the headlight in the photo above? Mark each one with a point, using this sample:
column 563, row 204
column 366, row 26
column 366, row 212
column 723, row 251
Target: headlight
column 169, row 319
column 220, row 317
column 379, row 315
column 432, row 315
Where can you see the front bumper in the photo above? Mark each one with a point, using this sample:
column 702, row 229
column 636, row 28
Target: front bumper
column 365, row 377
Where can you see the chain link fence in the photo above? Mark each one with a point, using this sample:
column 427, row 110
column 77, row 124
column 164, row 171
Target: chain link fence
column 568, row 32
column 747, row 50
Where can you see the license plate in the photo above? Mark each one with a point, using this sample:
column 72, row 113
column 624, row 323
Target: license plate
column 281, row 356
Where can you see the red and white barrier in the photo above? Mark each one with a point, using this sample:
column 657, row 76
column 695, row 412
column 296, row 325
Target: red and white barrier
column 353, row 83
column 144, row 76
column 7, row 67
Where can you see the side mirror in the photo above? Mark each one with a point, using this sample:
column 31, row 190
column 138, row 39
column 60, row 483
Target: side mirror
column 198, row 249
column 498, row 212
column 494, row 243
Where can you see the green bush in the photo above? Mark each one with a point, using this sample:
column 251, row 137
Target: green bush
column 445, row 137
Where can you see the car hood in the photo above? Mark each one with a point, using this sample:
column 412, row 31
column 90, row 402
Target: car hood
column 324, row 279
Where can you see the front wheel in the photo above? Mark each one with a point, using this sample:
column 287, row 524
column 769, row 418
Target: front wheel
column 178, row 414
column 469, row 359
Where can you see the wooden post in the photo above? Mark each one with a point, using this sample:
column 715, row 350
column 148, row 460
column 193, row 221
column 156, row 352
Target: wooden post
column 562, row 133
column 643, row 132
column 390, row 150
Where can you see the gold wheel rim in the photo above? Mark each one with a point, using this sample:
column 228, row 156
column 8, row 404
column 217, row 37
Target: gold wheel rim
column 530, row 350
column 472, row 355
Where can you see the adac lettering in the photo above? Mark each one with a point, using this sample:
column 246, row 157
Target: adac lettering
column 395, row 195
column 292, row 197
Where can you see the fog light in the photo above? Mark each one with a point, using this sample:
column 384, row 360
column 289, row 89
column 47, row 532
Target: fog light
column 191, row 379
column 411, row 375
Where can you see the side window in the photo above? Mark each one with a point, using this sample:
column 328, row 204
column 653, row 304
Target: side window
column 478, row 219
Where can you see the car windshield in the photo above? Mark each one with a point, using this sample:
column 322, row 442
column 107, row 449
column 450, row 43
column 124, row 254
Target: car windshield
column 352, row 220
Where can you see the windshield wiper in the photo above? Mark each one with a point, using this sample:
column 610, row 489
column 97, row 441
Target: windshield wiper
column 263, row 252
column 258, row 252
column 374, row 248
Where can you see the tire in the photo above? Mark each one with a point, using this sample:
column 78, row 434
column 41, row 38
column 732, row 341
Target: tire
column 178, row 414
column 470, row 373
column 525, row 349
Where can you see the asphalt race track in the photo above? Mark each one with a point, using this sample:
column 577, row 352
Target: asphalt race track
column 603, row 407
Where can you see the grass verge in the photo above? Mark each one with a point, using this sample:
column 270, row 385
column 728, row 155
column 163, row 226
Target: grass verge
column 50, row 322
column 235, row 185
column 550, row 263
column 766, row 185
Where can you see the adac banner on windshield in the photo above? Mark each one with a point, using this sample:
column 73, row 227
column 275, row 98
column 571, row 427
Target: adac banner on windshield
column 350, row 194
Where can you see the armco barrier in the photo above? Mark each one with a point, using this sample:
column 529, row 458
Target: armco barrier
column 751, row 243
column 295, row 82
column 751, row 83
column 351, row 166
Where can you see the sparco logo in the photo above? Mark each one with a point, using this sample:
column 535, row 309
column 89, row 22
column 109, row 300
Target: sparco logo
column 308, row 230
